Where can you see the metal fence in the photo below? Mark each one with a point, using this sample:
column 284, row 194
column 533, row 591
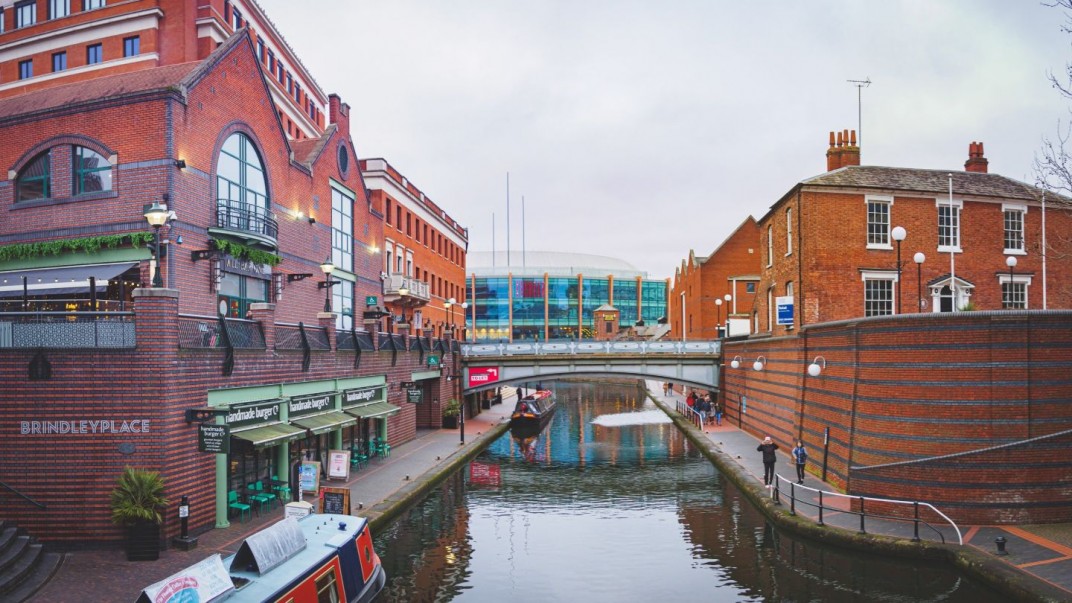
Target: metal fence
column 289, row 337
column 536, row 348
column 204, row 332
column 67, row 330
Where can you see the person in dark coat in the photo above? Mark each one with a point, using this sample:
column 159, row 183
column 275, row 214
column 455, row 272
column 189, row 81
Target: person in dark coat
column 767, row 447
column 800, row 455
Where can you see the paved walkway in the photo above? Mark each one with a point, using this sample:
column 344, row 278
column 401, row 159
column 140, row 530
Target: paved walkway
column 1044, row 551
column 106, row 576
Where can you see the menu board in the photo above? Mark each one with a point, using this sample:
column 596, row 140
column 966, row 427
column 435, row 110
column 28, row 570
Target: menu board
column 309, row 476
column 339, row 464
column 335, row 501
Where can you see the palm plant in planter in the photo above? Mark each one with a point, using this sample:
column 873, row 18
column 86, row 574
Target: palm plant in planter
column 136, row 503
column 450, row 414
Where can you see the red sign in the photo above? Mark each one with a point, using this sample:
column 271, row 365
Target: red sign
column 483, row 375
column 484, row 474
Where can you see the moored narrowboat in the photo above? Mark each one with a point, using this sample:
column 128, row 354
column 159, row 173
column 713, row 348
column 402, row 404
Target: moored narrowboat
column 533, row 411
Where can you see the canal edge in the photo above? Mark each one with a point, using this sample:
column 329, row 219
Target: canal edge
column 979, row 566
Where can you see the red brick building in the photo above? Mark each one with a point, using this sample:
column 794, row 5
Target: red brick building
column 942, row 380
column 712, row 292
column 424, row 253
column 205, row 117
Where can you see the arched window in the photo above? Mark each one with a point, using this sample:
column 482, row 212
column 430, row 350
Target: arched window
column 33, row 181
column 92, row 172
column 241, row 187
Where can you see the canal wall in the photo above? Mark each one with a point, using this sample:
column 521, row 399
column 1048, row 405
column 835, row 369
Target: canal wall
column 979, row 566
column 969, row 411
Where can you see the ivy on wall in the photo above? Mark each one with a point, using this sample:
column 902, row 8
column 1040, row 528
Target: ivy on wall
column 26, row 251
column 244, row 252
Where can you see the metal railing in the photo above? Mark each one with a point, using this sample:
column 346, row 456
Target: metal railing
column 691, row 414
column 536, row 348
column 204, row 332
column 899, row 512
column 67, row 330
column 394, row 283
column 244, row 217
column 289, row 337
column 14, row 491
column 62, row 305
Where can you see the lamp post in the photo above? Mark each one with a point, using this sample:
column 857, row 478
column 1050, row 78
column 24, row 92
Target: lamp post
column 465, row 308
column 156, row 215
column 1010, row 261
column 327, row 267
column 718, row 322
column 449, row 305
column 728, row 299
column 898, row 233
column 919, row 258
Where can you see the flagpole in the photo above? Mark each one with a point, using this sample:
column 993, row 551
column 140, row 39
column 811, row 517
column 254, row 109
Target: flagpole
column 952, row 252
column 1043, row 249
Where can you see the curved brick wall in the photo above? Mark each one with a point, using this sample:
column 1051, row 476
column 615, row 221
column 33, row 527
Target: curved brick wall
column 899, row 391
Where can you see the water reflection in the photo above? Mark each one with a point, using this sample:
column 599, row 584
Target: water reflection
column 604, row 505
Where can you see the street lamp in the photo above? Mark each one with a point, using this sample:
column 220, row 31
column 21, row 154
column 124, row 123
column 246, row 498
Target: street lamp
column 1010, row 261
column 899, row 233
column 465, row 307
column 728, row 299
column 327, row 267
column 718, row 323
column 919, row 258
column 449, row 305
column 156, row 215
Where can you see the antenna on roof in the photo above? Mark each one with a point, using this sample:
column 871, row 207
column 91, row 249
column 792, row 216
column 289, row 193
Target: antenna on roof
column 523, row 233
column 860, row 85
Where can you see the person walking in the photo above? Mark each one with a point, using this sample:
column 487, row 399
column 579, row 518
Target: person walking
column 767, row 447
column 800, row 455
column 718, row 412
column 701, row 408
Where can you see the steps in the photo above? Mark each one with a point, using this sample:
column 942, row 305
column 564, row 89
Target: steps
column 25, row 566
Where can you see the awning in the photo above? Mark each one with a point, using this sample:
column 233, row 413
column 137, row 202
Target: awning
column 376, row 409
column 325, row 422
column 269, row 435
column 60, row 281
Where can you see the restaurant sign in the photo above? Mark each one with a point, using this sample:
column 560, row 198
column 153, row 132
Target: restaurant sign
column 214, row 438
column 229, row 263
column 258, row 414
column 352, row 397
column 300, row 407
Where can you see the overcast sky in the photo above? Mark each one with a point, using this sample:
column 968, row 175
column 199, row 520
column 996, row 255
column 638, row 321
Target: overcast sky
column 641, row 130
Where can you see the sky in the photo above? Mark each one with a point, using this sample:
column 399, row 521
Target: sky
column 642, row 130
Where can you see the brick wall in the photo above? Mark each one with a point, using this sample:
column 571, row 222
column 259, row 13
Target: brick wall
column 897, row 392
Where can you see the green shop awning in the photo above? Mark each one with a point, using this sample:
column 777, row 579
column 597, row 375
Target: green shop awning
column 376, row 409
column 325, row 422
column 269, row 435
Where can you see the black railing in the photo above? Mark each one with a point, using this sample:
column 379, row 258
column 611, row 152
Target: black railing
column 289, row 337
column 243, row 217
column 67, row 330
column 11, row 489
column 204, row 332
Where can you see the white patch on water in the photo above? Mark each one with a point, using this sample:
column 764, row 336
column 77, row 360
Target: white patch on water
column 621, row 419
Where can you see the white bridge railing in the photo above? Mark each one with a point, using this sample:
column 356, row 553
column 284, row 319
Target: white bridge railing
column 548, row 348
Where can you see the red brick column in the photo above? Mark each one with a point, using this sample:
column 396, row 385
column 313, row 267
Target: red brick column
column 327, row 322
column 265, row 314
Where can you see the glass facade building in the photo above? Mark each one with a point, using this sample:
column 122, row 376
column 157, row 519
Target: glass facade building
column 554, row 296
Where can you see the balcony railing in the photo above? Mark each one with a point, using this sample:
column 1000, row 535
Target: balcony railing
column 415, row 289
column 243, row 217
column 67, row 330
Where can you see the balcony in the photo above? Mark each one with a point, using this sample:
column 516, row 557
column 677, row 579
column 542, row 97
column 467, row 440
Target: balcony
column 252, row 222
column 416, row 291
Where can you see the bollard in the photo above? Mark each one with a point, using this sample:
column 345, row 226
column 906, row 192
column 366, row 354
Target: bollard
column 1000, row 542
column 184, row 541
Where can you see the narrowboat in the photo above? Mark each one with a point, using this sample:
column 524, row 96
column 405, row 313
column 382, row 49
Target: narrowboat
column 308, row 560
column 532, row 412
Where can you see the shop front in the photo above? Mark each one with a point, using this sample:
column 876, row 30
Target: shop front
column 252, row 466
column 323, row 423
column 369, row 407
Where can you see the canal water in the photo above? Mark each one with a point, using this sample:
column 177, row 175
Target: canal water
column 611, row 503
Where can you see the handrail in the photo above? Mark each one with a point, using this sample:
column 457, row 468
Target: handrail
column 776, row 493
column 23, row 496
column 591, row 347
column 690, row 413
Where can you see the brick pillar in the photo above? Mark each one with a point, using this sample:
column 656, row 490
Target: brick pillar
column 265, row 314
column 327, row 321
column 156, row 323
column 372, row 325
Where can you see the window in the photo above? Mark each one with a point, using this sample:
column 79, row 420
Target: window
column 94, row 54
column 327, row 588
column 788, row 231
column 131, row 46
column 26, row 69
column 25, row 14
column 260, row 49
column 750, row 287
column 878, row 293
column 878, row 222
column 949, row 226
column 59, row 61
column 281, row 73
column 1, row 20
column 342, row 301
column 92, row 172
column 271, row 62
column 387, row 213
column 342, row 229
column 242, row 188
column 33, row 181
column 58, row 8
column 1014, row 296
column 290, row 84
column 770, row 309
column 770, row 245
column 297, row 93
column 92, row 4
column 1014, row 228
column 237, row 18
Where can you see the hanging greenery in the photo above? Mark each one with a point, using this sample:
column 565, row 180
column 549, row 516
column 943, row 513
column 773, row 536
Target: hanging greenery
column 26, row 251
column 244, row 252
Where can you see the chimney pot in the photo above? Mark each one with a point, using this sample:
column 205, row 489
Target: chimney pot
column 831, row 140
column 852, row 136
column 976, row 161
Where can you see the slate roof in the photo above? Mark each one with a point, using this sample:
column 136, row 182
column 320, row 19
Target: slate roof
column 307, row 150
column 925, row 181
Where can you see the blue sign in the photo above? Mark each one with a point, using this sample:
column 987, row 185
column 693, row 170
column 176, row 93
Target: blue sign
column 785, row 310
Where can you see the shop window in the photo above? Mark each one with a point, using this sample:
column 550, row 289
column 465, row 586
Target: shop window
column 33, row 181
column 237, row 292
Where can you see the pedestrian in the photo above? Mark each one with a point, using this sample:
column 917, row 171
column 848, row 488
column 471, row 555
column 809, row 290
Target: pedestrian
column 701, row 409
column 800, row 455
column 666, row 388
column 708, row 415
column 767, row 447
column 691, row 400
column 718, row 412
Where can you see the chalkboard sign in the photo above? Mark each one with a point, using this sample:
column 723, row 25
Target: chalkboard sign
column 309, row 476
column 335, row 501
column 414, row 395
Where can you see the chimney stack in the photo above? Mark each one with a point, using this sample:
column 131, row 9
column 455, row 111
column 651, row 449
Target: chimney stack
column 976, row 162
column 843, row 152
column 339, row 114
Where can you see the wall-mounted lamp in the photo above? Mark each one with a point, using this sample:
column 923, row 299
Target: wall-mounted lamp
column 373, row 249
column 312, row 220
column 180, row 163
column 736, row 362
column 758, row 364
column 817, row 366
column 297, row 277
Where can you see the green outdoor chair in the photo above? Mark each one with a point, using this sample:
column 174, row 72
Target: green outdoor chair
column 234, row 505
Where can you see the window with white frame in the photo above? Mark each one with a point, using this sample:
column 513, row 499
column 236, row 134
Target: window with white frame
column 770, row 309
column 949, row 225
column 878, row 222
column 770, row 245
column 879, row 292
column 1014, row 227
column 788, row 230
column 1014, row 290
column 789, row 294
column 342, row 228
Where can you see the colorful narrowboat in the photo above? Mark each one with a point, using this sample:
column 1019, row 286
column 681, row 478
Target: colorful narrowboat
column 532, row 412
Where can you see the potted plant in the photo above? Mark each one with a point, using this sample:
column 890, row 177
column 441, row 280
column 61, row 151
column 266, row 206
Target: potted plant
column 451, row 410
column 136, row 502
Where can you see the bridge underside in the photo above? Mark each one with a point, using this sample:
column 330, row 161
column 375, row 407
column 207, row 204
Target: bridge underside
column 696, row 372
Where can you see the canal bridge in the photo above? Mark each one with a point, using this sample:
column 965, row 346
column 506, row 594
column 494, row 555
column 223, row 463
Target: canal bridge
column 489, row 365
